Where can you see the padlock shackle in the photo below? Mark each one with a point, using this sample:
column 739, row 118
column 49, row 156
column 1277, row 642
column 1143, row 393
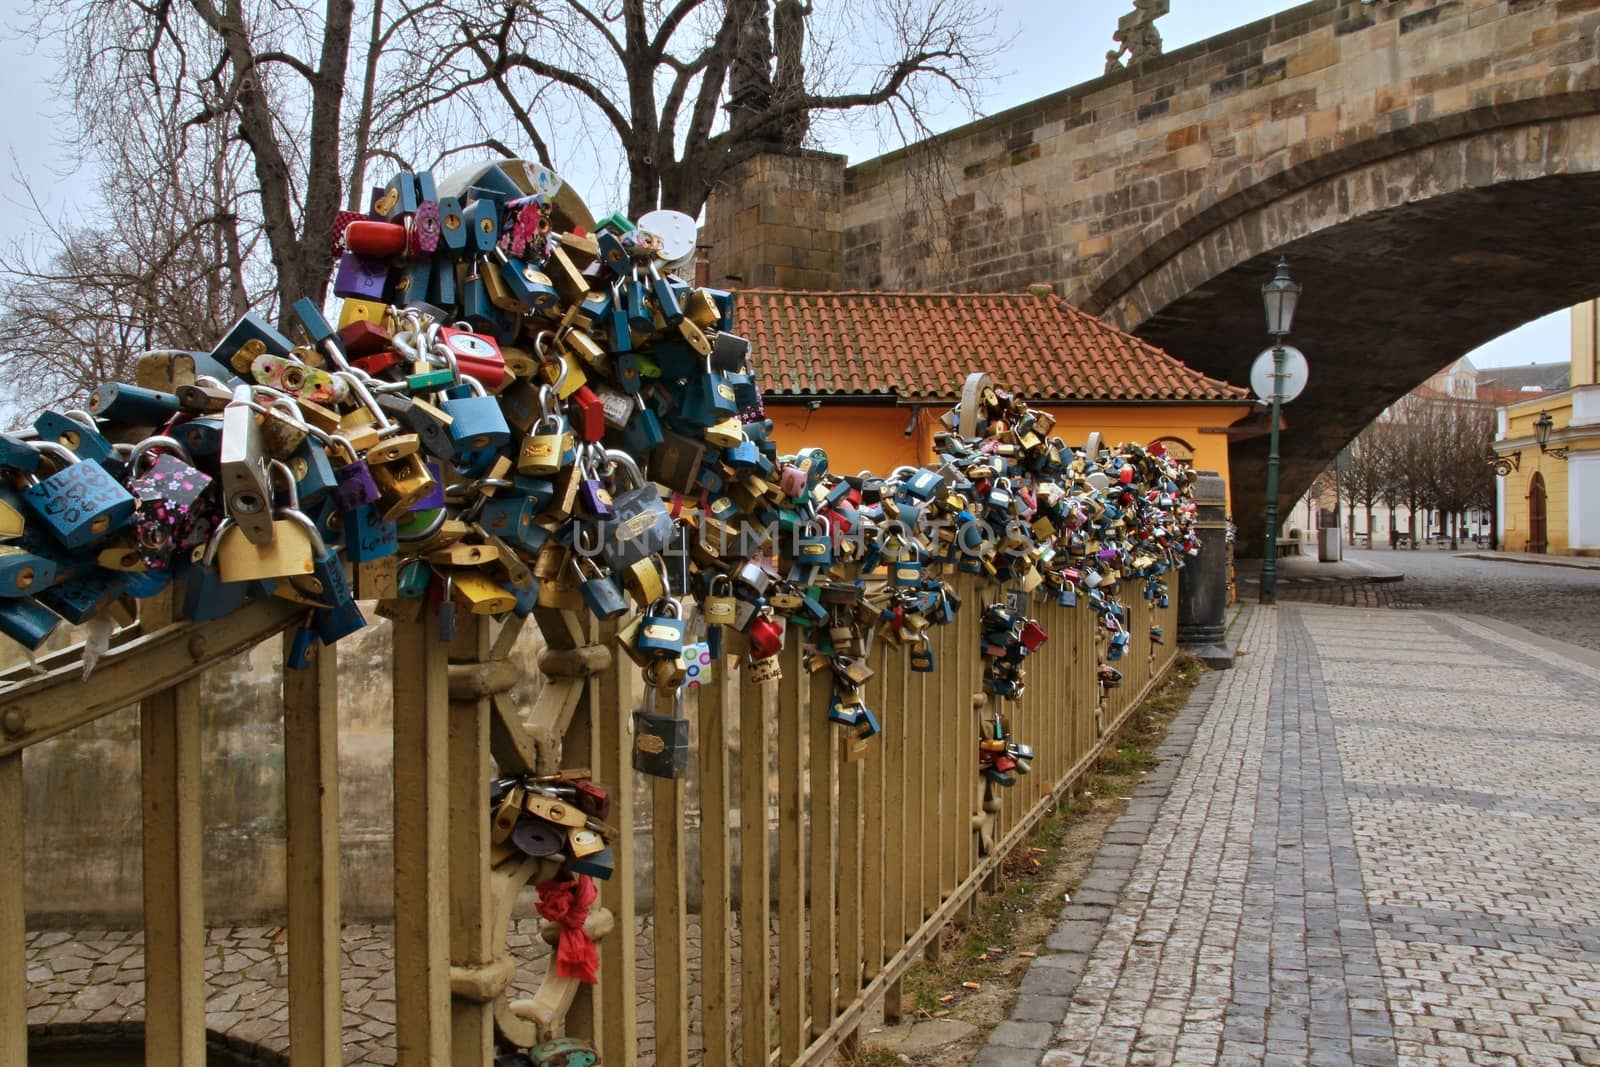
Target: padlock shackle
column 56, row 450
column 143, row 448
column 380, row 418
column 618, row 458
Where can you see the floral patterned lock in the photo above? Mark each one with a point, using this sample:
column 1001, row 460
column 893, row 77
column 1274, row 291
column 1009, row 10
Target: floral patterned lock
column 173, row 511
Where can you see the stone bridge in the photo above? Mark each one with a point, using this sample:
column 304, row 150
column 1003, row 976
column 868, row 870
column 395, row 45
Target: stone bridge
column 1430, row 167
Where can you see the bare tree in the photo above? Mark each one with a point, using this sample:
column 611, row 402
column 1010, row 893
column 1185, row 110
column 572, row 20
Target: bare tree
column 690, row 89
column 1366, row 472
column 170, row 263
column 269, row 74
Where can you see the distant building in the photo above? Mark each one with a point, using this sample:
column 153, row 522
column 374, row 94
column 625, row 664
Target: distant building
column 1550, row 501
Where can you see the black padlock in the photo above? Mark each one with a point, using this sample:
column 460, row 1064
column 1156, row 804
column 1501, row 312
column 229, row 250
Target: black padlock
column 661, row 742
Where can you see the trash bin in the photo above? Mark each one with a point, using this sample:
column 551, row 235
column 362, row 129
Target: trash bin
column 1329, row 545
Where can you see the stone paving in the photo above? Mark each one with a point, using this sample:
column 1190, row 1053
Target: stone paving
column 1375, row 841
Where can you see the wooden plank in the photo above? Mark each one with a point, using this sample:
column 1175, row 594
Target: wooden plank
column 421, row 850
column 849, row 881
column 670, row 848
column 13, row 923
column 793, row 700
column 48, row 704
column 821, row 757
column 613, row 691
column 716, row 897
column 898, row 725
column 755, row 869
column 873, row 859
column 927, row 697
column 956, row 666
column 174, row 906
column 471, row 898
column 586, row 737
column 311, row 808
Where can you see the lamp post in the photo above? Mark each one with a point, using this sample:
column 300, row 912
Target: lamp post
column 1280, row 296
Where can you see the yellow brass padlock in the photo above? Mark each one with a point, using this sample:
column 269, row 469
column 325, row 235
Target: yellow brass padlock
column 696, row 338
column 701, row 310
column 480, row 594
column 552, row 810
column 396, row 446
column 561, row 593
column 725, row 434
column 643, row 581
column 358, row 310
column 566, row 276
column 587, row 349
column 584, row 842
column 464, row 555
column 505, row 816
column 401, row 484
column 290, row 552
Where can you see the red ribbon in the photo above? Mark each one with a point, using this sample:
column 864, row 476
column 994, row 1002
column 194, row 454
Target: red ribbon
column 566, row 903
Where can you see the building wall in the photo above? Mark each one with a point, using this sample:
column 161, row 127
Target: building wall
column 1519, row 436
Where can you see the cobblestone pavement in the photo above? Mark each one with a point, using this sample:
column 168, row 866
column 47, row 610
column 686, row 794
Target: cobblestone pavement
column 95, row 978
column 1558, row 602
column 1380, row 849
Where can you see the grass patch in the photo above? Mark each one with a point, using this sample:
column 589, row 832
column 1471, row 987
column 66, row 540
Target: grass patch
column 986, row 950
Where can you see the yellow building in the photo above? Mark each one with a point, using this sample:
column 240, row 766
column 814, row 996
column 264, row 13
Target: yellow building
column 1549, row 501
column 866, row 375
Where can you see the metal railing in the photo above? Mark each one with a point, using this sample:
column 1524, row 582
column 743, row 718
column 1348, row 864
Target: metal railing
column 876, row 845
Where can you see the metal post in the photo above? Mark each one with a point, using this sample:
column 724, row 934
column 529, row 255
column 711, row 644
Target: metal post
column 1269, row 551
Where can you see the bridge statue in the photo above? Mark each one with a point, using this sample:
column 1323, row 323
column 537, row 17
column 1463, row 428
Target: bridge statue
column 1137, row 36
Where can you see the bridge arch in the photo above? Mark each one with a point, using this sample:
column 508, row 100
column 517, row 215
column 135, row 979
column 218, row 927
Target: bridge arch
column 1407, row 262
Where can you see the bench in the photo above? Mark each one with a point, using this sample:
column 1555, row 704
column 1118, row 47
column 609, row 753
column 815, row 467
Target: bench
column 1288, row 546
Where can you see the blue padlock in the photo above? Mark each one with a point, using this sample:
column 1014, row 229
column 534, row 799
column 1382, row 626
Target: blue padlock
column 369, row 536
column 76, row 431
column 27, row 622
column 477, row 423
column 81, row 503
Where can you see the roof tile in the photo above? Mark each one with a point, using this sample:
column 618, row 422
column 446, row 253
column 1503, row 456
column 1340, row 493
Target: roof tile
column 921, row 346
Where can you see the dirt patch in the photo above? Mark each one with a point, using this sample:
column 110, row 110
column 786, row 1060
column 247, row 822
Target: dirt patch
column 950, row 1003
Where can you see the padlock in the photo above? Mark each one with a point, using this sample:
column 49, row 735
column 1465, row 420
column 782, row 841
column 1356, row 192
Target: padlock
column 81, row 504
column 76, row 431
column 294, row 547
column 661, row 633
column 719, row 608
column 661, row 742
column 594, row 498
column 476, row 421
column 173, row 510
column 643, row 526
column 28, row 622
column 602, row 594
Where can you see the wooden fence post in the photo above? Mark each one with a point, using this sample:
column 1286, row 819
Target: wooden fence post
column 174, row 908
column 311, row 804
column 421, row 847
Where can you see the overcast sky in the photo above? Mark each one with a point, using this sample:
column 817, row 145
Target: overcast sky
column 1054, row 44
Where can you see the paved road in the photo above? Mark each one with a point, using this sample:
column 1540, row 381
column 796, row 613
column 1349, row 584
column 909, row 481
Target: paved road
column 1559, row 602
column 1375, row 841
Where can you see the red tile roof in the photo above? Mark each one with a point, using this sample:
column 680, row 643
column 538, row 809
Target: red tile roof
column 921, row 346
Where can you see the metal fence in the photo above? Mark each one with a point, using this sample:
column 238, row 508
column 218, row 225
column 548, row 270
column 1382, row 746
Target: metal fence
column 878, row 845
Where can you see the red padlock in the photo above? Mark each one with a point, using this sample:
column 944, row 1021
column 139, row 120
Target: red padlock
column 1033, row 635
column 378, row 362
column 363, row 338
column 587, row 412
column 378, row 239
column 1125, row 476
column 766, row 637
column 477, row 356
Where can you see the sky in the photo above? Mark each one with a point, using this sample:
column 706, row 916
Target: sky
column 1053, row 44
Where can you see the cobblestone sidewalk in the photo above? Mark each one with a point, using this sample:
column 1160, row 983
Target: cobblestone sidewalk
column 1379, row 849
column 95, row 979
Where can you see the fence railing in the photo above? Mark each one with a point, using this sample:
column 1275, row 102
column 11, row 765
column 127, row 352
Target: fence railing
column 826, row 866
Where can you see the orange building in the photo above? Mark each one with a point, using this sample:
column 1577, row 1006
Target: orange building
column 866, row 375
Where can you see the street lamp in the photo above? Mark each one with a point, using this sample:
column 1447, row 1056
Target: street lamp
column 1280, row 296
column 1541, row 434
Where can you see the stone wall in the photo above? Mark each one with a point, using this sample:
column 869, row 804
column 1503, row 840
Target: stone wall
column 774, row 222
column 1094, row 187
